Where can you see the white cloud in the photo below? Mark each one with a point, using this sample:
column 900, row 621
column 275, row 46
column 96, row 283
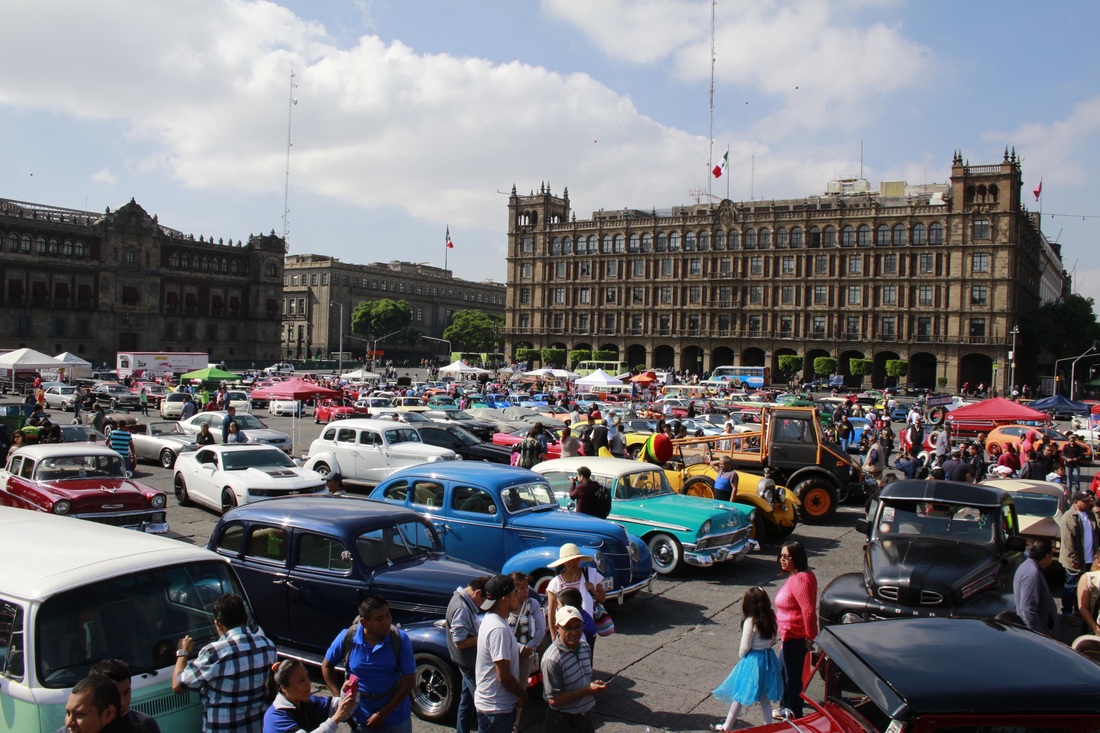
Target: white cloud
column 1054, row 149
column 104, row 175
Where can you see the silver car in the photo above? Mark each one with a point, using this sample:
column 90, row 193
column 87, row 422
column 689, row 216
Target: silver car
column 60, row 397
column 161, row 442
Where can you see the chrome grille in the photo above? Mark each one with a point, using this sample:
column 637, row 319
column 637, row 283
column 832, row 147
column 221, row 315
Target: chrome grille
column 888, row 592
column 158, row 706
column 927, row 597
column 724, row 539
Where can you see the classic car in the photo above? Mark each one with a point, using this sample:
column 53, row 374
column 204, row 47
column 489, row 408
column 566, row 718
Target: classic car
column 1039, row 506
column 407, row 402
column 935, row 548
column 679, row 530
column 221, row 477
column 481, row 428
column 507, row 519
column 160, row 442
column 153, row 391
column 81, row 434
column 367, row 451
column 942, row 674
column 290, row 408
column 59, row 397
column 372, row 403
column 81, row 480
column 442, row 402
column 250, row 425
column 320, row 555
column 510, row 440
column 335, row 408
column 464, row 443
column 114, row 396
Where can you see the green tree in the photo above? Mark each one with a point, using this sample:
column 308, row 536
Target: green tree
column 373, row 319
column 897, row 368
column 605, row 355
column 553, row 357
column 824, row 366
column 789, row 364
column 1065, row 328
column 528, row 355
column 576, row 356
column 473, row 330
column 861, row 368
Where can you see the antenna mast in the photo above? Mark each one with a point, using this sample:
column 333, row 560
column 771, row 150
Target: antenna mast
column 710, row 153
column 286, row 184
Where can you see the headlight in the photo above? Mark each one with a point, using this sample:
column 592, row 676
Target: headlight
column 705, row 529
column 159, row 501
column 780, row 494
column 601, row 562
column 632, row 551
column 62, row 507
column 850, row 618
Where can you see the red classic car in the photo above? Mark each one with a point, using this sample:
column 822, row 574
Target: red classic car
column 334, row 408
column 553, row 438
column 81, row 480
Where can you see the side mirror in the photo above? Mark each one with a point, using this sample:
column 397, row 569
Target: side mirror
column 862, row 525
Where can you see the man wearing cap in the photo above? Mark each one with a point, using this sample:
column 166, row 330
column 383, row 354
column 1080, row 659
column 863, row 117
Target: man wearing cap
column 334, row 482
column 953, row 468
column 567, row 676
column 498, row 691
column 462, row 643
column 1079, row 538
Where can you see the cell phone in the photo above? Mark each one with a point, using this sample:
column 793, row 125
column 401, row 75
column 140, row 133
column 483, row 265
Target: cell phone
column 354, row 680
column 607, row 680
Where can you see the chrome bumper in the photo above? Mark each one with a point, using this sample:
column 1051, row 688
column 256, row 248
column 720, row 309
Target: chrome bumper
column 711, row 555
column 620, row 594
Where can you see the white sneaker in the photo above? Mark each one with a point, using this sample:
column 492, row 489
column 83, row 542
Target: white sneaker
column 784, row 714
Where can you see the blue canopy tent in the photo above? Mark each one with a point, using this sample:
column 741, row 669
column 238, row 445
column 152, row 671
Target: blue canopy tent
column 1059, row 404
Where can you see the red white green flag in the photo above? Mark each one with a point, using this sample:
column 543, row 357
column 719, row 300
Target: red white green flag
column 722, row 165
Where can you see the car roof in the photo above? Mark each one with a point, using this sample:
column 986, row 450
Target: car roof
column 51, row 450
column 325, row 513
column 600, row 466
column 69, row 552
column 901, row 665
column 366, row 422
column 239, row 447
column 1036, row 486
column 954, row 492
column 486, row 474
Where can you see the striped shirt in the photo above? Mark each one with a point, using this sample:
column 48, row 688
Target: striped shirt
column 564, row 670
column 230, row 674
column 121, row 441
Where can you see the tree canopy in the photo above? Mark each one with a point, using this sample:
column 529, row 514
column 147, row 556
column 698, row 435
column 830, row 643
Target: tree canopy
column 377, row 318
column 474, row 330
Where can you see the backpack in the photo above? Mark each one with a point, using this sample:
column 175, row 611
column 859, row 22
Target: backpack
column 601, row 501
column 349, row 642
column 529, row 451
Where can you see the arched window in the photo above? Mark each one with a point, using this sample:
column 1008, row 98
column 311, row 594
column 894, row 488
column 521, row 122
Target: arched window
column 735, row 239
column 828, row 238
column 815, row 238
column 54, row 245
column 13, row 242
column 719, row 241
column 765, row 240
column 205, row 264
column 647, row 242
column 848, row 236
column 592, row 249
column 555, row 246
column 882, row 235
column 935, row 233
column 632, row 244
column 41, row 246
column 689, row 242
column 567, row 246
column 225, row 266
column 863, row 236
column 78, row 249
column 67, row 248
column 662, row 242
column 620, row 244
column 233, row 268
column 605, row 244
column 796, row 238
column 919, row 234
column 131, row 256
column 25, row 243
column 704, row 241
column 674, row 242
column 899, row 235
column 782, row 238
column 750, row 239
column 185, row 263
column 270, row 269
column 993, row 192
column 174, row 260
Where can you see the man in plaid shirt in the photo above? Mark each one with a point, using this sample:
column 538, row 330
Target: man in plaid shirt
column 229, row 673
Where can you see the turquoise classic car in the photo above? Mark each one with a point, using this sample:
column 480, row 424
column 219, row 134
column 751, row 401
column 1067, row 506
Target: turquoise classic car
column 680, row 530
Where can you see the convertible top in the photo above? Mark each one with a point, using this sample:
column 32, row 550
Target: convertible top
column 949, row 491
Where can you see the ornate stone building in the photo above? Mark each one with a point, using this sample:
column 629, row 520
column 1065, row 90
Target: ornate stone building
column 95, row 284
column 319, row 290
column 935, row 274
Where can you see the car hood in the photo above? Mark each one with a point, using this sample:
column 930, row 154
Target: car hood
column 265, row 435
column 434, row 576
column 1035, row 527
column 686, row 512
column 560, row 520
column 277, row 477
column 98, row 494
column 923, row 570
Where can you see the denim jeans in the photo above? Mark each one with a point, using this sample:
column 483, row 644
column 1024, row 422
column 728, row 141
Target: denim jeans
column 1069, row 593
column 1073, row 476
column 496, row 722
column 467, row 715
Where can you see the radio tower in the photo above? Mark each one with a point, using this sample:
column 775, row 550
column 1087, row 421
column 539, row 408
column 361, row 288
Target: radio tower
column 710, row 153
column 286, row 183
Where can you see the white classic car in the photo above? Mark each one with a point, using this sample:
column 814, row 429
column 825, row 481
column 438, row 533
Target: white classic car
column 367, row 451
column 224, row 476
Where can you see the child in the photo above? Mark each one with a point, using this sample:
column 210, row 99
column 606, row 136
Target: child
column 529, row 625
column 572, row 597
column 756, row 678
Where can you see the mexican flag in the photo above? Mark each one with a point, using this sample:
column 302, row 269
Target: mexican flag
column 722, row 165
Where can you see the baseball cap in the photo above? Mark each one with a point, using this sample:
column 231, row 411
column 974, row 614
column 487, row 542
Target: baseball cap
column 956, row 450
column 566, row 614
column 334, row 476
column 497, row 587
column 1083, row 495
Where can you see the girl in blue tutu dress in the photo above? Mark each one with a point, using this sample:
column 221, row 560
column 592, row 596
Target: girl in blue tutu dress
column 756, row 678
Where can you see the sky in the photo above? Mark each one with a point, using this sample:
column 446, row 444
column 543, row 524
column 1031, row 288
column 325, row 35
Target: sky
column 412, row 117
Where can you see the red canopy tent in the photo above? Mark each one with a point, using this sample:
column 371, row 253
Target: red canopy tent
column 997, row 410
column 295, row 389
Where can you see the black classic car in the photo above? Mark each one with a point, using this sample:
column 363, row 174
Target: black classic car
column 935, row 548
column 307, row 561
column 464, row 443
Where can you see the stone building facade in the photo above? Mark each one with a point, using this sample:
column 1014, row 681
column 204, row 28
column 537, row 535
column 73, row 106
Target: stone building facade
column 319, row 290
column 95, row 284
column 937, row 275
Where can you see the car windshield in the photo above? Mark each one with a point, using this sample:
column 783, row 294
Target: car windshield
column 248, row 422
column 165, row 428
column 396, row 542
column 239, row 460
column 236, row 396
column 1054, row 434
column 80, row 434
column 638, row 485
column 524, row 497
column 60, row 468
column 136, row 618
column 459, row 415
column 1035, row 505
column 464, row 436
column 402, row 435
column 936, row 520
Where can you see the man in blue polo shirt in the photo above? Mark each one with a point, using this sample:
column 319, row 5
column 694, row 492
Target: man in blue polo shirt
column 381, row 656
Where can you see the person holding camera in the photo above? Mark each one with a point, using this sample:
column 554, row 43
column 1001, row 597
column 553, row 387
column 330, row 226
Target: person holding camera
column 582, row 490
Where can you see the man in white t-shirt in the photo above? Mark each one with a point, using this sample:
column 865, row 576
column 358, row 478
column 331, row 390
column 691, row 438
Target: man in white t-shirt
column 499, row 692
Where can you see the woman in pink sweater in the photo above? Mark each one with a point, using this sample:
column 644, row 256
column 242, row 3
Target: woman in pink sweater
column 796, row 612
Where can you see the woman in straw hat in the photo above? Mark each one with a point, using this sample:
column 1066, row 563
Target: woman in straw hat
column 587, row 580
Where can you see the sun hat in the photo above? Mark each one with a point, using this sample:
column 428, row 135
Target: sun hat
column 496, row 588
column 569, row 551
column 565, row 614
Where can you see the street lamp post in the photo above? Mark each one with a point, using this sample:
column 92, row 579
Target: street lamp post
column 1012, row 360
column 341, row 357
column 1073, row 365
column 374, row 351
column 442, row 341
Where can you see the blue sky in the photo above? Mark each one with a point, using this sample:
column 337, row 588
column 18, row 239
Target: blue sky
column 413, row 116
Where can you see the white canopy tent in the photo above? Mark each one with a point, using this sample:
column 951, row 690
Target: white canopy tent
column 28, row 360
column 360, row 375
column 74, row 365
column 599, row 378
column 458, row 368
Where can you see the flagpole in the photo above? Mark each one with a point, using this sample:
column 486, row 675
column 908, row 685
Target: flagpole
column 728, row 174
column 446, row 249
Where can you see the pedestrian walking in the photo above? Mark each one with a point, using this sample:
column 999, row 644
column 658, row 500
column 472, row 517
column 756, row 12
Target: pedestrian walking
column 756, row 677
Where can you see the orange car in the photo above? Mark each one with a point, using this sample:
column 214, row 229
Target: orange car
column 1015, row 434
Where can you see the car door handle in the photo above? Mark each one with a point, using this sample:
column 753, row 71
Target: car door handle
column 290, row 584
column 279, row 581
column 440, row 527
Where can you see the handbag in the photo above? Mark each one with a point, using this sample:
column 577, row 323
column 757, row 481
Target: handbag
column 605, row 625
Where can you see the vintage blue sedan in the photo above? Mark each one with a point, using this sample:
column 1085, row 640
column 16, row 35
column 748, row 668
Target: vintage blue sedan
column 307, row 562
column 508, row 519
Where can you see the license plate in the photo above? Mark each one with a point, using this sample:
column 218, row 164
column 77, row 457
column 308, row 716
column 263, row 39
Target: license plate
column 608, row 583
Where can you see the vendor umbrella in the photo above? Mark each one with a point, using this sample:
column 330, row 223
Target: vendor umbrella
column 210, row 374
column 295, row 389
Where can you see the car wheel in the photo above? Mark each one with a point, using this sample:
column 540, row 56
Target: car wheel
column 316, row 420
column 434, row 695
column 229, row 499
column 322, row 468
column 635, row 450
column 819, row 500
column 667, row 553
column 66, row 406
column 181, row 490
column 167, row 458
column 777, row 531
column 701, row 486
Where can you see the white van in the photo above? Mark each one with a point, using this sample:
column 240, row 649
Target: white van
column 82, row 591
